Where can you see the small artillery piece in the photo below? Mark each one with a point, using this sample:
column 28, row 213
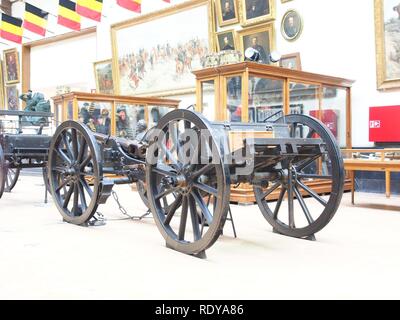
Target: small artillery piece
column 187, row 165
column 19, row 149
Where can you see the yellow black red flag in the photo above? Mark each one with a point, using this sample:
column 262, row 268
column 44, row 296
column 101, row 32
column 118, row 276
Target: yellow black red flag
column 67, row 15
column 11, row 28
column 133, row 5
column 35, row 19
column 90, row 9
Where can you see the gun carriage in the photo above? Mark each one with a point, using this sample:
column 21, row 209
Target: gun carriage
column 24, row 143
column 187, row 165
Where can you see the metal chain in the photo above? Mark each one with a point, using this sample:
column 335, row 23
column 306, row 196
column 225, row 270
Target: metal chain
column 124, row 211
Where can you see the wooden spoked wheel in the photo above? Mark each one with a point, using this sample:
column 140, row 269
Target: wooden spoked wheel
column 190, row 169
column 74, row 158
column 11, row 178
column 300, row 211
column 2, row 171
column 142, row 190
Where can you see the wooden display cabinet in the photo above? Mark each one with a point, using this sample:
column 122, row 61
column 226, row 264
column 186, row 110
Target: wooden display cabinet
column 250, row 92
column 111, row 114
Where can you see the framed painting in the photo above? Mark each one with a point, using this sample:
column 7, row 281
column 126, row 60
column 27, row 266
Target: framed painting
column 11, row 66
column 104, row 77
column 226, row 40
column 260, row 38
column 227, row 12
column 256, row 11
column 387, row 33
column 292, row 25
column 291, row 61
column 160, row 64
column 12, row 99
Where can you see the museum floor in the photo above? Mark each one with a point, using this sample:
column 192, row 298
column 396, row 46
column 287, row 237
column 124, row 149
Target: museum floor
column 356, row 255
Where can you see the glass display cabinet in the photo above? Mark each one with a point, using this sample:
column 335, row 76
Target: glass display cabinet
column 383, row 160
column 112, row 114
column 250, row 92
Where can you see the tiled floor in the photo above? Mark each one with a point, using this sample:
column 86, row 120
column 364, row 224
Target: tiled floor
column 355, row 256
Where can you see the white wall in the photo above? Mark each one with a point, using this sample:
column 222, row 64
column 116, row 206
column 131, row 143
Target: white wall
column 338, row 39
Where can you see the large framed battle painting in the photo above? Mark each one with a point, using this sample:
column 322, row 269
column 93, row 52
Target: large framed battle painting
column 154, row 56
column 387, row 30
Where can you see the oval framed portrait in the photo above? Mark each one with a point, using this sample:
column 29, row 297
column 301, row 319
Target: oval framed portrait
column 292, row 25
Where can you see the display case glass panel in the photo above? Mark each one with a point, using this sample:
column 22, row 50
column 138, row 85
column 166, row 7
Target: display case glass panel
column 333, row 113
column 156, row 113
column 58, row 113
column 304, row 99
column 208, row 92
column 234, row 102
column 96, row 115
column 70, row 110
column 265, row 99
column 127, row 118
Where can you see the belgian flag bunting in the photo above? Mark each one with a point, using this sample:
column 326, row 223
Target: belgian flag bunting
column 90, row 9
column 11, row 28
column 133, row 5
column 67, row 15
column 35, row 19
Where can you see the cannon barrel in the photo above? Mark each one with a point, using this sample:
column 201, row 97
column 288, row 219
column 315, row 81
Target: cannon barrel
column 132, row 147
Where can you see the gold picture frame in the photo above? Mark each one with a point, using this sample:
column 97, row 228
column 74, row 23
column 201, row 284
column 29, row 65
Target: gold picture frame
column 232, row 39
column 226, row 22
column 251, row 14
column 257, row 32
column 145, row 27
column 11, row 66
column 2, row 100
column 103, row 76
column 12, row 97
column 291, row 61
column 387, row 77
column 292, row 33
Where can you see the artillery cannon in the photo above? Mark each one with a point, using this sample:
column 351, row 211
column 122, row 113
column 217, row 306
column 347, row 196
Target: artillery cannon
column 187, row 166
column 23, row 144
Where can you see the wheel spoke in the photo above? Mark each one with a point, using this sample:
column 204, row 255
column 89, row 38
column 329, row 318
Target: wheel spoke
column 169, row 155
column 62, row 185
column 68, row 197
column 76, row 200
column 74, row 141
column 310, row 134
column 312, row 193
column 62, row 155
column 68, row 146
column 82, row 149
column 279, row 203
column 272, row 189
column 164, row 172
column 303, row 205
column 184, row 213
column 314, row 176
column 293, row 130
column 290, row 200
column 85, row 162
column 82, row 196
column 305, row 163
column 203, row 170
column 165, row 192
column 172, row 209
column 206, row 188
column 194, row 218
column 199, row 200
column 86, row 186
column 59, row 169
